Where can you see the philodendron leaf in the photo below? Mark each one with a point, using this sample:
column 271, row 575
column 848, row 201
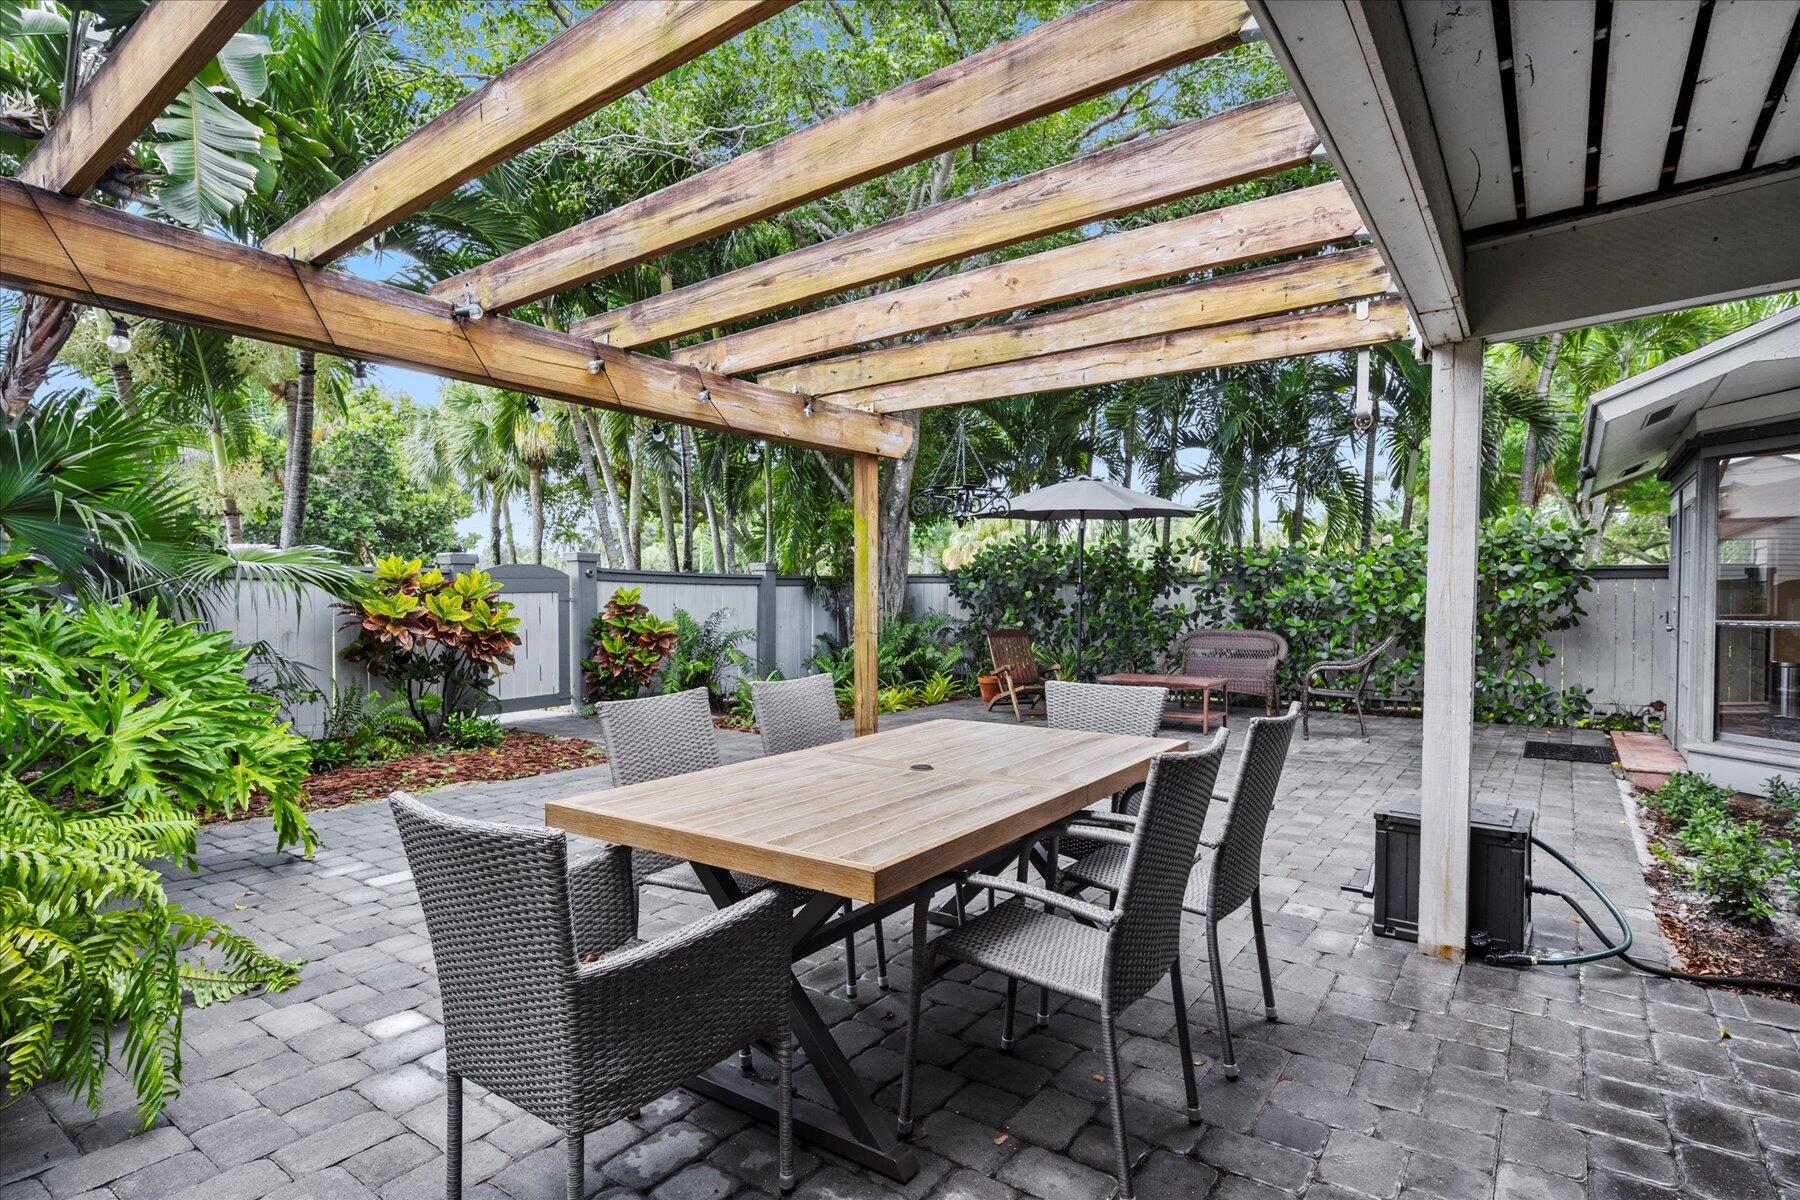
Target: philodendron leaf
column 211, row 158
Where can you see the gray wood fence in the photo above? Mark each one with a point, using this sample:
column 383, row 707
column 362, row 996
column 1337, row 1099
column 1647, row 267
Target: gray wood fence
column 1622, row 650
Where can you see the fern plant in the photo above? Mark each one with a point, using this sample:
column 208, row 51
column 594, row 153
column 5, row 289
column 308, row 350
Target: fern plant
column 91, row 948
column 703, row 650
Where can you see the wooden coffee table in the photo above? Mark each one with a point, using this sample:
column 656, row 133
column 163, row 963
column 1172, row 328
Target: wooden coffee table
column 1204, row 684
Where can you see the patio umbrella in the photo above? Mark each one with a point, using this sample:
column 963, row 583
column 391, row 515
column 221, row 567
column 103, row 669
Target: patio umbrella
column 1081, row 500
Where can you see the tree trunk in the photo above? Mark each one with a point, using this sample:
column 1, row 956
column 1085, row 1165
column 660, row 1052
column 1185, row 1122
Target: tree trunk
column 215, row 441
column 725, row 513
column 586, row 451
column 512, row 544
column 666, row 504
column 494, row 503
column 1528, row 465
column 1406, row 488
column 610, row 478
column 537, row 513
column 687, row 499
column 895, row 549
column 124, row 386
column 1256, row 512
column 634, row 513
column 297, row 467
column 38, row 334
column 712, row 527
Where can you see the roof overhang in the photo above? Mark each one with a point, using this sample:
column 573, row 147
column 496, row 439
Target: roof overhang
column 1638, row 426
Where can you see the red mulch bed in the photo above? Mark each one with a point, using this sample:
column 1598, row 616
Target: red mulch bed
column 520, row 755
column 1704, row 943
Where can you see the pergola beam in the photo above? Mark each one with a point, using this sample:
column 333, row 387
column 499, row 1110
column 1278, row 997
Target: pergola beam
column 1308, row 283
column 1289, row 223
column 165, row 48
column 605, row 56
column 92, row 254
column 1143, row 358
column 1246, row 143
column 1053, row 66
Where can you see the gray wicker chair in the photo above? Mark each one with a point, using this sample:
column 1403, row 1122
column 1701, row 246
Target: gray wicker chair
column 798, row 714
column 653, row 738
column 1354, row 672
column 551, row 1003
column 1108, row 957
column 1228, row 869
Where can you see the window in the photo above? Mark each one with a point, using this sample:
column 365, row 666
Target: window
column 1757, row 623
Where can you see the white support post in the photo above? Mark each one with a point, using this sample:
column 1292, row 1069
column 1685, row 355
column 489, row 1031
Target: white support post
column 1453, row 534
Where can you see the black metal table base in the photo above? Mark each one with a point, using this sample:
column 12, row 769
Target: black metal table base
column 855, row 1127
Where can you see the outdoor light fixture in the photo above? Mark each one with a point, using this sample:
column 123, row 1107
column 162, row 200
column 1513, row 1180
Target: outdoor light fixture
column 596, row 365
column 959, row 488
column 467, row 311
column 362, row 369
column 119, row 340
column 705, row 396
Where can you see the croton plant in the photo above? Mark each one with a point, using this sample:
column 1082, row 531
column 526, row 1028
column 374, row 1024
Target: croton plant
column 630, row 644
column 439, row 641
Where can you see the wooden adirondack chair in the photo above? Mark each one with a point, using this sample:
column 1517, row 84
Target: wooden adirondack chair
column 1017, row 669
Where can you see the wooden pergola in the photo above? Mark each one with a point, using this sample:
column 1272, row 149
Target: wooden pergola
column 807, row 380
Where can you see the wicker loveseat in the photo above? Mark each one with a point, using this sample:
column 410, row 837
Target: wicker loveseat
column 1245, row 658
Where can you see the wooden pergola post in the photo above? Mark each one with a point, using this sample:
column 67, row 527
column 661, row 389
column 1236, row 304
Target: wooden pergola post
column 1453, row 536
column 865, row 593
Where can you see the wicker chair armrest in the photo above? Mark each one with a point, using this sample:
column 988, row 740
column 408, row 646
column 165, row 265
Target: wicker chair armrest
column 1090, row 833
column 603, row 899
column 737, row 957
column 1116, row 820
column 1103, row 917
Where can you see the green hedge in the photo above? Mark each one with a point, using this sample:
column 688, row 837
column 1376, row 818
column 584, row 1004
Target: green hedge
column 1326, row 604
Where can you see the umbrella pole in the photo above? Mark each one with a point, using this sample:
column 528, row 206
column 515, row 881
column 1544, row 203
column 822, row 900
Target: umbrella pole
column 1080, row 591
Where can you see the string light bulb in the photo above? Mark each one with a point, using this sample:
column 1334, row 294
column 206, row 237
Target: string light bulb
column 469, row 310
column 119, row 340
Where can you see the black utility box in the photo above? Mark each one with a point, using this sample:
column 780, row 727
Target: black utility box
column 1499, row 875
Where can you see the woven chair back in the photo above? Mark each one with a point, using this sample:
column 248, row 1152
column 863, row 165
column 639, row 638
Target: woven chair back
column 1203, row 644
column 1148, row 935
column 1237, row 865
column 1104, row 707
column 496, row 902
column 658, row 736
column 796, row 714
column 1011, row 649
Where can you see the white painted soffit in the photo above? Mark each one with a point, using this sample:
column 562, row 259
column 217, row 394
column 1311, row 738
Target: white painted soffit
column 1749, row 377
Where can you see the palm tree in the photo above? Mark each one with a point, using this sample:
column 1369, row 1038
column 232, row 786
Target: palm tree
column 90, row 494
column 456, row 441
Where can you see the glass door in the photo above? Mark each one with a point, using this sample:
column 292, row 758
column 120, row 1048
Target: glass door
column 1756, row 659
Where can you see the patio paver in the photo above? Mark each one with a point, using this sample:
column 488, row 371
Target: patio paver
column 1389, row 1074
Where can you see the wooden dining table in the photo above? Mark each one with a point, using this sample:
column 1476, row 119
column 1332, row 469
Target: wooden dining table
column 882, row 820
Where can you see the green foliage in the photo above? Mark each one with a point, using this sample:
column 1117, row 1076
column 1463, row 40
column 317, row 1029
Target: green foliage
column 1529, row 583
column 630, row 644
column 92, row 495
column 1131, row 617
column 92, row 949
column 116, row 709
column 361, row 498
column 702, row 652
column 363, row 727
column 909, row 650
column 1738, row 869
column 466, row 731
column 440, row 641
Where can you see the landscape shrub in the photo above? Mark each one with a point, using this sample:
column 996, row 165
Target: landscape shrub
column 629, row 647
column 1529, row 582
column 918, row 662
column 439, row 642
column 466, row 731
column 1740, row 872
column 114, row 709
column 703, row 653
column 1132, row 615
column 91, row 949
column 363, row 727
